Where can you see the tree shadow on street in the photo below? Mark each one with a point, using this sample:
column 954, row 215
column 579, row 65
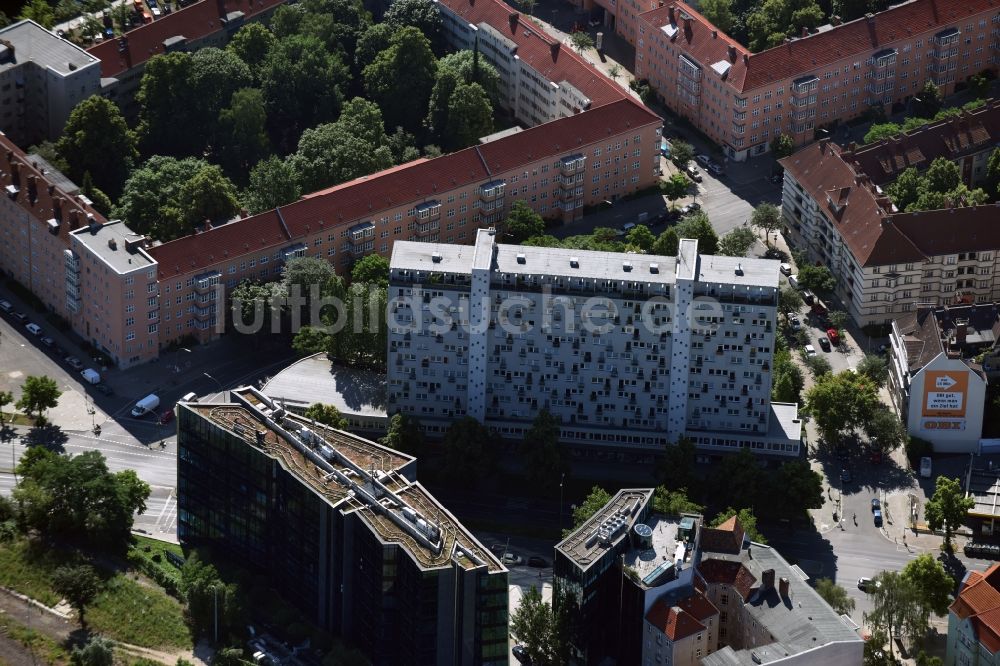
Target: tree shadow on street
column 48, row 435
column 953, row 566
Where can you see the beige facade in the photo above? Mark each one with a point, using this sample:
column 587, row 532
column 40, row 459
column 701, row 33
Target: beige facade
column 743, row 100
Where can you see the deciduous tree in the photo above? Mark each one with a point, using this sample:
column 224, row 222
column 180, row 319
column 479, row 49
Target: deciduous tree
column 698, row 227
column 591, row 504
column 581, row 41
column 880, row 131
column 675, row 187
column 327, row 415
column 782, row 146
column 38, row 11
column 97, row 140
column 470, row 116
column 79, row 585
column 676, row 465
column 932, row 583
column 543, row 455
column 667, row 242
column 767, row 218
column 948, row 508
column 640, row 238
column 207, row 196
column 241, row 139
column 674, row 502
column 6, row 398
column 468, row 447
column 98, row 651
column 928, row 101
column 747, row 520
column 799, row 487
column 420, row 14
column 251, row 44
column 523, row 223
column 273, row 183
column 737, row 243
column 681, row 152
column 835, row 595
column 38, row 395
column 401, row 78
column 332, row 153
column 816, row 278
column 531, row 625
column 790, row 300
column 373, row 268
column 895, row 607
column 404, row 434
column 841, row 403
column 719, row 13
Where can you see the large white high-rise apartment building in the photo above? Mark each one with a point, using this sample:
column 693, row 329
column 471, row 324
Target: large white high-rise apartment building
column 626, row 350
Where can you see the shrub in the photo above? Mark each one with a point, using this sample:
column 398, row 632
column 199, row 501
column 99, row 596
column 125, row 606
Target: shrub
column 916, row 449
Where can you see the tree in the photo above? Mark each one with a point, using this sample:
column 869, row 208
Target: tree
column 681, row 152
column 767, row 218
column 882, row 131
column 311, row 340
column 371, row 42
column 875, row 654
column 6, row 398
column 719, row 13
column 523, row 223
column 928, row 101
column 782, row 146
column 591, row 504
column 816, row 278
column 98, row 651
column 841, row 403
column 272, row 183
column 835, row 595
column 327, row 415
column 943, row 175
column 303, row 86
column 167, row 107
column 401, row 78
column 97, row 140
column 581, row 41
column 251, row 44
column 737, row 243
column 228, row 656
column 640, row 238
column 371, row 268
column 992, row 184
column 875, row 368
column 150, row 202
column 252, row 302
column 76, row 499
column 948, row 508
column 747, row 520
column 799, row 487
column 775, row 19
column 469, row 450
column 906, row 189
column 420, row 14
column 470, row 116
column 838, row 319
column 790, row 300
column 208, row 195
column 675, row 187
column 404, row 434
column 817, row 365
column 667, row 242
column 98, row 199
column 242, row 135
column 699, row 228
column 205, row 592
column 531, row 625
column 674, row 502
column 932, row 583
column 331, row 154
column 38, row 11
column 543, row 456
column 216, row 75
column 740, row 479
column 616, row 70
column 979, row 85
column 895, row 607
column 38, row 395
column 675, row 468
column 77, row 584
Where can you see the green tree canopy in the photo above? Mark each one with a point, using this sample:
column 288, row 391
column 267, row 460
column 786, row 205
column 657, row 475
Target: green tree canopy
column 207, row 196
column 776, row 19
column 167, row 107
column 98, row 651
column 38, row 395
column 241, row 140
column 38, row 11
column 782, row 146
column 76, row 499
column 675, row 187
column 420, row 14
column 79, row 585
column 371, row 42
column 531, row 625
column 943, row 175
column 372, row 268
column 597, row 498
column 523, row 223
column 835, row 595
column 401, row 78
column 273, row 183
column 719, row 13
column 404, row 434
column 303, row 86
column 698, row 227
column 327, row 415
column 469, row 450
column 674, row 502
column 581, row 41
column 933, row 584
column 816, row 278
column 681, row 152
column 747, row 520
column 667, row 242
column 676, row 465
column 543, row 455
column 928, row 101
column 97, row 140
column 767, row 218
column 251, row 44
column 470, row 67
column 948, row 508
column 841, row 403
column 640, row 238
column 896, row 607
column 799, row 487
column 205, row 592
column 737, row 243
column 470, row 116
column 881, row 131
column 790, row 300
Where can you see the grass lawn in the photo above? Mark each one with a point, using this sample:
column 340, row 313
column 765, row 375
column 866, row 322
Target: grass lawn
column 157, row 553
column 125, row 610
column 40, row 645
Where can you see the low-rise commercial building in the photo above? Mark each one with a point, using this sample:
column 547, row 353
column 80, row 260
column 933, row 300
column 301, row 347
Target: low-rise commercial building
column 624, row 350
column 42, row 78
column 974, row 620
column 342, row 529
column 889, row 262
column 939, row 392
column 743, row 100
column 650, row 589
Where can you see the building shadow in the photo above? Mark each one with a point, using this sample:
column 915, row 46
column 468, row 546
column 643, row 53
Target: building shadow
column 359, row 389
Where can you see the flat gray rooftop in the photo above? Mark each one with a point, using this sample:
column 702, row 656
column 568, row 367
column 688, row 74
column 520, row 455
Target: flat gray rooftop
column 33, row 43
column 784, row 421
column 664, row 546
column 591, row 265
column 739, row 271
column 108, row 242
column 586, row 544
column 316, row 379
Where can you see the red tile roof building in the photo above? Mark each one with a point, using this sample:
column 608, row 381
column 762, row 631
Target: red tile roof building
column 974, row 620
column 204, row 23
column 743, row 100
column 887, row 261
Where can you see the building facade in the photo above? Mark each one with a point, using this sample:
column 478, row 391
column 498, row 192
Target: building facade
column 627, row 350
column 42, row 78
column 743, row 100
column 889, row 262
column 342, row 530
column 974, row 621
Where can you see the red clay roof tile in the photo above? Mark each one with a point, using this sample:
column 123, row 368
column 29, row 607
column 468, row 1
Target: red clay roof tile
column 673, row 621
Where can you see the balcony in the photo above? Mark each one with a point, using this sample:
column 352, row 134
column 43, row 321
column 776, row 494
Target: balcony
column 360, row 232
column 492, row 190
column 203, row 313
column 293, row 252
column 207, row 281
column 806, row 85
column 572, row 164
column 429, row 210
column 947, row 37
column 883, row 58
column 427, row 228
column 72, row 261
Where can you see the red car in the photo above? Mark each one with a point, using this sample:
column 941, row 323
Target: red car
column 834, row 336
column 166, row 417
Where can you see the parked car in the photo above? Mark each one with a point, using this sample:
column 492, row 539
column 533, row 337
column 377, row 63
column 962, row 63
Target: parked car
column 166, row 417
column 715, row 169
column 824, row 344
column 703, row 159
column 510, row 559
column 864, row 583
column 810, row 350
column 845, row 475
column 833, row 335
column 105, row 389
column 34, row 329
column 808, row 297
column 21, row 317
column 876, row 505
column 877, row 515
column 795, row 323
column 693, row 173
column 47, row 341
column 786, row 269
column 74, row 362
column 5, row 306
column 537, row 562
column 521, row 654
column 925, row 467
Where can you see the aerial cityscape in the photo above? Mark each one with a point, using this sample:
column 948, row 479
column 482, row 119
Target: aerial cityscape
column 500, row 332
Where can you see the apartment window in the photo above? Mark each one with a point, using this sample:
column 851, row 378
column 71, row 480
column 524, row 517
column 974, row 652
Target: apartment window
column 152, row 328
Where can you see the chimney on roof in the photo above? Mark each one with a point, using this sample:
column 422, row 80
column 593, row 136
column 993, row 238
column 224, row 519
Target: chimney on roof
column 32, row 188
column 732, row 53
column 513, row 18
column 783, row 589
column 74, row 220
column 207, row 226
column 133, row 244
column 554, row 47
column 670, row 14
column 961, row 331
column 805, row 32
column 15, row 173
column 715, row 33
column 687, row 23
column 113, row 244
column 870, row 17
column 834, row 20
column 767, row 579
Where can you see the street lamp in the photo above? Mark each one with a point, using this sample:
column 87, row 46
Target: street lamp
column 205, row 374
column 561, row 479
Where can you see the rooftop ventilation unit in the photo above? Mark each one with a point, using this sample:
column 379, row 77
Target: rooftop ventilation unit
column 627, row 266
column 739, row 269
column 436, row 257
column 521, row 258
column 654, row 268
column 574, row 262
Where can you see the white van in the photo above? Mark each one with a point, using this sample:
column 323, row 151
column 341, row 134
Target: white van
column 191, row 396
column 925, row 467
column 793, row 280
column 91, row 375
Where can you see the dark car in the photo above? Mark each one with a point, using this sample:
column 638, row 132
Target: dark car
column 825, row 344
column 521, row 654
column 106, row 390
column 537, row 562
column 877, row 514
column 876, row 505
column 808, row 297
column 845, row 476
column 21, row 317
column 166, row 417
